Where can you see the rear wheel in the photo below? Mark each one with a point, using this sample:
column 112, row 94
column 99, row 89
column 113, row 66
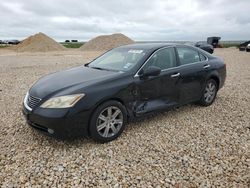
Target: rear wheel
column 209, row 93
column 108, row 121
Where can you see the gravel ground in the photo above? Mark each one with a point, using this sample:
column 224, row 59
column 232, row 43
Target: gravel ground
column 187, row 147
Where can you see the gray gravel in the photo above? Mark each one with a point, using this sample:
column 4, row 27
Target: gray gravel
column 187, row 147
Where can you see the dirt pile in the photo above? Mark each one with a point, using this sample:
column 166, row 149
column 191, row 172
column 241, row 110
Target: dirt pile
column 38, row 43
column 106, row 42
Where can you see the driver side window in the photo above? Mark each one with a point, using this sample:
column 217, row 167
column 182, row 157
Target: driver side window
column 163, row 59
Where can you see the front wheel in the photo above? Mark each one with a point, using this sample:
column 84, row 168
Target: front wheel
column 108, row 121
column 209, row 93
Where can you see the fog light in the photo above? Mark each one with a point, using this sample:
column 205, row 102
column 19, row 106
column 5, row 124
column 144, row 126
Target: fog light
column 50, row 131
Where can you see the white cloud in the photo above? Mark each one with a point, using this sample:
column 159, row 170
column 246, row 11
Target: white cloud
column 140, row 20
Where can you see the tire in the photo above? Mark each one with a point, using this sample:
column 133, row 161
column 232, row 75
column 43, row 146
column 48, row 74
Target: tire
column 209, row 93
column 110, row 117
column 248, row 50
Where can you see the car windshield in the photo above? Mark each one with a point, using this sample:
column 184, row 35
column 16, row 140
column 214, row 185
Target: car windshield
column 119, row 59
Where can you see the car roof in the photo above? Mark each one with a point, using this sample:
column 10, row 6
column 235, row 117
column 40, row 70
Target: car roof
column 147, row 46
column 155, row 46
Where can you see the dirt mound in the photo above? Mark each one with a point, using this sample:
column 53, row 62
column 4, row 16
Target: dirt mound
column 38, row 43
column 106, row 42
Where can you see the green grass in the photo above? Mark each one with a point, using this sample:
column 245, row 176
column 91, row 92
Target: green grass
column 227, row 45
column 72, row 44
column 3, row 46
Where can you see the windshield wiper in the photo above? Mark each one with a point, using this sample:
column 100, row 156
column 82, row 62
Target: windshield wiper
column 99, row 68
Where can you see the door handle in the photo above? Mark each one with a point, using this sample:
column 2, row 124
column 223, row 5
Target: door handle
column 206, row 66
column 175, row 75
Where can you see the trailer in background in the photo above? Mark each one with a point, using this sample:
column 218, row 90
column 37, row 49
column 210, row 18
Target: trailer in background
column 214, row 41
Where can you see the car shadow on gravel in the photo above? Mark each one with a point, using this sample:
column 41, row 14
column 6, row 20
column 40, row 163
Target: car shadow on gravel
column 137, row 123
column 43, row 139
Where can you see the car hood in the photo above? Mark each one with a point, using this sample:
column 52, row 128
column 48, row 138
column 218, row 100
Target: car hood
column 68, row 81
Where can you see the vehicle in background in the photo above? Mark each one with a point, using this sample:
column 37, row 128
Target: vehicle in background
column 4, row 42
column 13, row 42
column 205, row 46
column 214, row 41
column 243, row 46
column 202, row 45
column 71, row 41
column 248, row 48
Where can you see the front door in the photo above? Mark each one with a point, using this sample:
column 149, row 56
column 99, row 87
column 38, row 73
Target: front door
column 158, row 92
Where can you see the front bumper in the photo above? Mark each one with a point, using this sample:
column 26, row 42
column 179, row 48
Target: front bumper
column 58, row 123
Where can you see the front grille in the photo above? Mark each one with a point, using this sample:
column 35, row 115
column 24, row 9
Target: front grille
column 33, row 101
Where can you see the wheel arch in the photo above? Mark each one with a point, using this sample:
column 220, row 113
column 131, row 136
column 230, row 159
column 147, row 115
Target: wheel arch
column 106, row 100
column 216, row 79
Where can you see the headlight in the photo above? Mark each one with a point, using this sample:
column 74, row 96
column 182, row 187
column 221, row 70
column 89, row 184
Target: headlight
column 66, row 101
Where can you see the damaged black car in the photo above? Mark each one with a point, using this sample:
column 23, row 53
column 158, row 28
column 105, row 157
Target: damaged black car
column 97, row 99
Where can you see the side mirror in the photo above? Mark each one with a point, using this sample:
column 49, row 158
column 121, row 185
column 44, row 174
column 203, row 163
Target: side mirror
column 151, row 71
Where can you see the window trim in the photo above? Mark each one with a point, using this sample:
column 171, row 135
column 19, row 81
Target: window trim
column 204, row 56
column 177, row 59
column 193, row 48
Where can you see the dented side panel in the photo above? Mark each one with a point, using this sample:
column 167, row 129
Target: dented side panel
column 156, row 93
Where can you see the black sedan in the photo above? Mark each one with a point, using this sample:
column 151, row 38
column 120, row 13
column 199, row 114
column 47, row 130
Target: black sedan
column 97, row 99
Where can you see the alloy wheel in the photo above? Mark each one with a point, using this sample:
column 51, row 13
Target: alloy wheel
column 210, row 92
column 109, row 121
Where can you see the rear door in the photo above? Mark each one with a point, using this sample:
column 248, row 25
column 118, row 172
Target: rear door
column 192, row 73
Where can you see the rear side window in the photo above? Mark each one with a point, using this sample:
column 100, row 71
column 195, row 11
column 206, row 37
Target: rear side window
column 202, row 57
column 187, row 55
column 164, row 59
